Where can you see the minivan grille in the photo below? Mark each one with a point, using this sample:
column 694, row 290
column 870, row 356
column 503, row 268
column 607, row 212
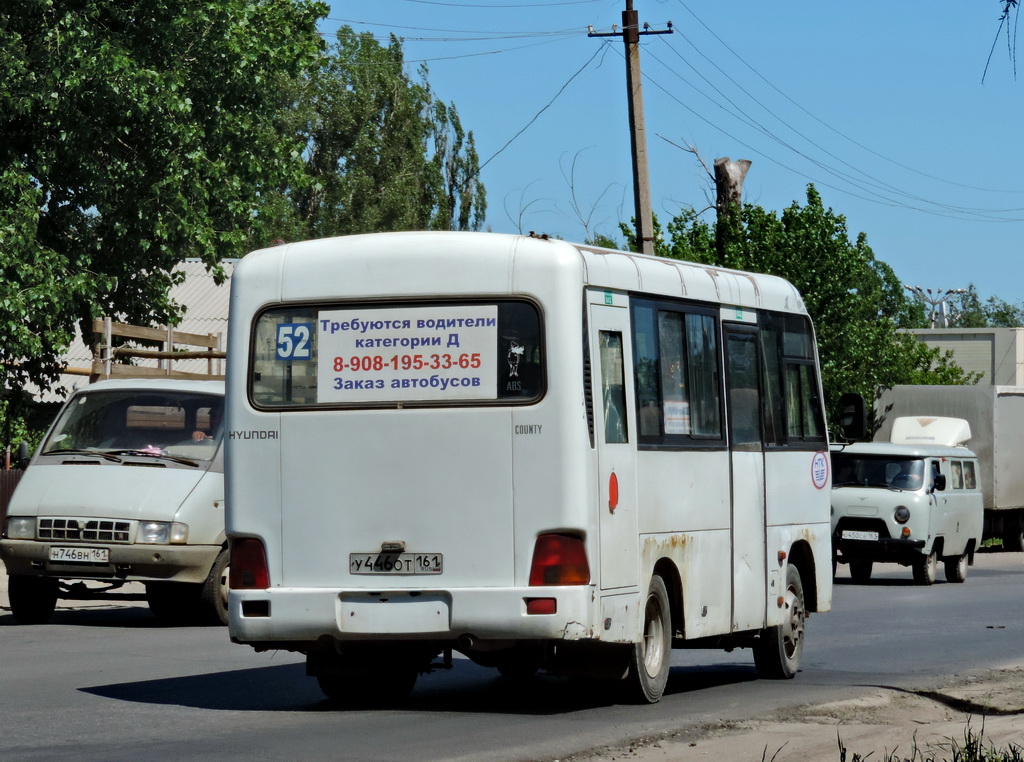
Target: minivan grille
column 85, row 530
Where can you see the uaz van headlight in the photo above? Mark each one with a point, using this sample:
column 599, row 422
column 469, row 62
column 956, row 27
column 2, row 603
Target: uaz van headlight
column 21, row 528
column 162, row 533
column 901, row 514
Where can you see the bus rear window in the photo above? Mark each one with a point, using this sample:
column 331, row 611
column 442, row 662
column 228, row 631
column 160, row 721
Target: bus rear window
column 396, row 355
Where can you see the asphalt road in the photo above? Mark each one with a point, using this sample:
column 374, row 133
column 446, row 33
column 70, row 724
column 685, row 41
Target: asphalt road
column 105, row 682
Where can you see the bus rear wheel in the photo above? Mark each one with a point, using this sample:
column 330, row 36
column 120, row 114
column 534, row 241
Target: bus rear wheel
column 652, row 657
column 175, row 603
column 362, row 677
column 779, row 649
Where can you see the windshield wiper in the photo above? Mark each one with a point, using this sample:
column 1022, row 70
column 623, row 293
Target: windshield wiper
column 93, row 453
column 162, row 455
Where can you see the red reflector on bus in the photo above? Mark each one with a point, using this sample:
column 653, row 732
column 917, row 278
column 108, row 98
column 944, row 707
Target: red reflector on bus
column 541, row 605
column 559, row 559
column 248, row 569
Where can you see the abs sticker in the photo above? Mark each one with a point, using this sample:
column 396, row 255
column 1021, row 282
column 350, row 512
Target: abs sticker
column 819, row 470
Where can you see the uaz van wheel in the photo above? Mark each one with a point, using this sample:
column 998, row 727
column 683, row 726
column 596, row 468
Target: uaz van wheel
column 956, row 568
column 926, row 569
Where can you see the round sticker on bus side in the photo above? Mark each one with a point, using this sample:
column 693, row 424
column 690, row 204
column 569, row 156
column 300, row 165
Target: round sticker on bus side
column 819, row 470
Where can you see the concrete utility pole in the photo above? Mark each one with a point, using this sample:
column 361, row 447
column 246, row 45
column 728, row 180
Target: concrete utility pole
column 637, row 134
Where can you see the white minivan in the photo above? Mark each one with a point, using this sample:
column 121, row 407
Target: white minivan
column 126, row 486
column 914, row 500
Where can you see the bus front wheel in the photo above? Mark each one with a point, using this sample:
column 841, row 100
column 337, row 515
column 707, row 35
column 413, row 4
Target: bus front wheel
column 779, row 649
column 652, row 656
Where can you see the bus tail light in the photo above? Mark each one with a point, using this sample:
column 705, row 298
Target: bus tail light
column 248, row 569
column 559, row 559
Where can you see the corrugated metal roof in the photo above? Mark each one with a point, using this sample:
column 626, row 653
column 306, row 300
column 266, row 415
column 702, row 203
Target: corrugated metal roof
column 206, row 312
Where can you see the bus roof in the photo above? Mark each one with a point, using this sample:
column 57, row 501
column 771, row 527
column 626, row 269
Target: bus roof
column 425, row 264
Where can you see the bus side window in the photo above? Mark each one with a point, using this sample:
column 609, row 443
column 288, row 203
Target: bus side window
column 613, row 391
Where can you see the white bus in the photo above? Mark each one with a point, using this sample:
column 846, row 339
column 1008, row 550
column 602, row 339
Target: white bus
column 539, row 454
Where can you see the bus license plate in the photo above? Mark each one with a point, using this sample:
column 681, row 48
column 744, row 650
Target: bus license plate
column 80, row 555
column 851, row 534
column 395, row 563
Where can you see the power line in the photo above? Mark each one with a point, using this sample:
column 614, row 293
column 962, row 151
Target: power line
column 866, row 185
column 536, row 116
column 828, row 126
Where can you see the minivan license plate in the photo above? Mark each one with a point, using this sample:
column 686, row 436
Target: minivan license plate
column 80, row 555
column 395, row 563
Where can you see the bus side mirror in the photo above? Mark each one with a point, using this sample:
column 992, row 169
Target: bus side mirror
column 24, row 456
column 853, row 417
column 940, row 483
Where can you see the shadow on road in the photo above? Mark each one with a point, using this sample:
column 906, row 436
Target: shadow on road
column 466, row 688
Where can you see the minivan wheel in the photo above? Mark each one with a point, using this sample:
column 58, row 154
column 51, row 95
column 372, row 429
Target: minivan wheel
column 33, row 599
column 215, row 591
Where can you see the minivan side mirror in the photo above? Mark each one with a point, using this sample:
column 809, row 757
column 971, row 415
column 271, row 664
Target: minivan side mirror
column 940, row 482
column 853, row 417
column 24, row 456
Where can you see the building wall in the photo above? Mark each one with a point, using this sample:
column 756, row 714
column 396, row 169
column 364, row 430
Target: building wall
column 996, row 353
column 206, row 312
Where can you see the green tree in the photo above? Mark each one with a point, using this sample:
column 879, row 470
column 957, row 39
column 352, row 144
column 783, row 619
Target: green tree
column 856, row 302
column 381, row 152
column 132, row 135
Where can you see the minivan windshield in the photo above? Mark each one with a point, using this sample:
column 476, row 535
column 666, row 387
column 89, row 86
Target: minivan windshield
column 850, row 470
column 162, row 423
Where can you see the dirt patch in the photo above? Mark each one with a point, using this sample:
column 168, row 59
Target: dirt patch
column 886, row 720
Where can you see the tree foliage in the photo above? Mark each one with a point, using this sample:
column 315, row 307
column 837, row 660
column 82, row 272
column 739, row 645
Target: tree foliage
column 132, row 135
column 856, row 302
column 381, row 152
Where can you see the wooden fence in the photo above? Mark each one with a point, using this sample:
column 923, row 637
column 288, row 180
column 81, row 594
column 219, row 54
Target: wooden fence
column 8, row 481
column 110, row 361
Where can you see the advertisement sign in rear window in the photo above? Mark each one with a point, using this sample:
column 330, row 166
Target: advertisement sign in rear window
column 396, row 355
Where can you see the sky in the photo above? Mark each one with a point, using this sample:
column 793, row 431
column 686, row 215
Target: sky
column 903, row 115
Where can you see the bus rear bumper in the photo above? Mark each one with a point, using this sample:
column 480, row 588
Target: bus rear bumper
column 301, row 615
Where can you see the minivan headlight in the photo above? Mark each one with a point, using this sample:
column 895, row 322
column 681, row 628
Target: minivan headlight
column 901, row 514
column 21, row 528
column 162, row 533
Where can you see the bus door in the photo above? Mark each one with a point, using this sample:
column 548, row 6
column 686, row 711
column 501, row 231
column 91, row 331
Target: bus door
column 614, row 434
column 743, row 386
